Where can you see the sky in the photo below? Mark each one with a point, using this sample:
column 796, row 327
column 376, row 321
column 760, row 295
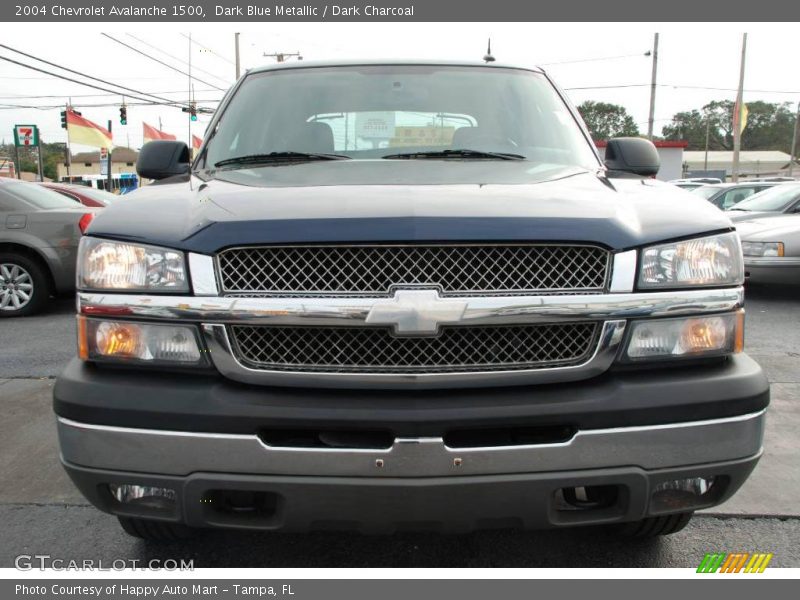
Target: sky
column 593, row 61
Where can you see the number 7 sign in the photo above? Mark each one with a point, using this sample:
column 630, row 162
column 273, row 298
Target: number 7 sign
column 26, row 135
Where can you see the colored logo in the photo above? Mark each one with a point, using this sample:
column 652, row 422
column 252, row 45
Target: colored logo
column 738, row 562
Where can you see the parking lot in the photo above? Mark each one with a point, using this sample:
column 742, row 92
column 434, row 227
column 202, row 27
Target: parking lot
column 41, row 512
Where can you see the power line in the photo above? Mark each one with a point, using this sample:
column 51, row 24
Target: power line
column 5, row 105
column 161, row 62
column 583, row 60
column 83, row 83
column 194, row 41
column 196, row 68
column 680, row 87
column 122, row 87
column 39, row 97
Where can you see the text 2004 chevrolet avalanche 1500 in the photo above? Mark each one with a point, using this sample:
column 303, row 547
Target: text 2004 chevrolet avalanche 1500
column 407, row 295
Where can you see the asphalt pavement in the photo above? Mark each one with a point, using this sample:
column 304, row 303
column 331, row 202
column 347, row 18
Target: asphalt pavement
column 42, row 512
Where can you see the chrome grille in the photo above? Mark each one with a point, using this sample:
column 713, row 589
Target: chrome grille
column 377, row 350
column 374, row 270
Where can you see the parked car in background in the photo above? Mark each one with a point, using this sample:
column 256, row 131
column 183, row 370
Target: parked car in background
column 83, row 194
column 782, row 199
column 692, row 183
column 39, row 234
column 771, row 248
column 726, row 195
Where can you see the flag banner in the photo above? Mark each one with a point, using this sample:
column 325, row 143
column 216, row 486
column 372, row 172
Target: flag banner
column 151, row 133
column 740, row 117
column 83, row 131
column 196, row 142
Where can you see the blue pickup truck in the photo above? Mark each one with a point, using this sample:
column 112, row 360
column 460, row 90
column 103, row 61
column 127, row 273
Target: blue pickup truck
column 401, row 295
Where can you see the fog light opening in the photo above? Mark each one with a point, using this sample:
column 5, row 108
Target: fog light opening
column 590, row 497
column 689, row 493
column 141, row 496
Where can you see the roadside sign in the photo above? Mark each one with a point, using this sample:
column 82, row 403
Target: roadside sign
column 26, row 136
column 104, row 161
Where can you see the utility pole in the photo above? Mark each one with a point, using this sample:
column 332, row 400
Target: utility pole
column 708, row 131
column 236, row 39
column 794, row 139
column 651, row 120
column 41, row 169
column 737, row 117
column 109, row 176
column 68, row 161
column 190, row 87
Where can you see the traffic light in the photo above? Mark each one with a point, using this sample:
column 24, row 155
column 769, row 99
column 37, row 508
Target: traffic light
column 192, row 110
column 63, row 119
column 123, row 115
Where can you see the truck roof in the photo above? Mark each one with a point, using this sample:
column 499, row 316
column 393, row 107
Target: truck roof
column 305, row 64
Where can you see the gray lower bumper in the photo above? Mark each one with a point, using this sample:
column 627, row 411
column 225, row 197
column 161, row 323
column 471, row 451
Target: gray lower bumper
column 184, row 453
column 417, row 483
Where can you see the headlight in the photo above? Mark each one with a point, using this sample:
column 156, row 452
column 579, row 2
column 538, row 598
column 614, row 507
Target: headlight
column 713, row 260
column 107, row 265
column 141, row 343
column 686, row 337
column 762, row 248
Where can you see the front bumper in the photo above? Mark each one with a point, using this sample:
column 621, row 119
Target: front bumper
column 780, row 270
column 455, row 504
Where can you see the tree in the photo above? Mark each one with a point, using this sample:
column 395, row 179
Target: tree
column 606, row 120
column 769, row 126
column 52, row 154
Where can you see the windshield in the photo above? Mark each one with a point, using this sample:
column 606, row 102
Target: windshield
column 775, row 199
column 368, row 112
column 38, row 196
column 706, row 191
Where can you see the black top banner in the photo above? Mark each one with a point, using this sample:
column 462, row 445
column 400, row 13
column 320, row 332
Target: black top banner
column 399, row 10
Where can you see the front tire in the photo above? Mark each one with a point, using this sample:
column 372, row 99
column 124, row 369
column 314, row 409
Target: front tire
column 24, row 287
column 655, row 526
column 155, row 531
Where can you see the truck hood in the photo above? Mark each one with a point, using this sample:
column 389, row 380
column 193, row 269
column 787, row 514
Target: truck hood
column 402, row 201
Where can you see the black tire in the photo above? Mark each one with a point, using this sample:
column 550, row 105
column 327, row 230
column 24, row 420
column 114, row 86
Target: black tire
column 155, row 531
column 39, row 294
column 655, row 526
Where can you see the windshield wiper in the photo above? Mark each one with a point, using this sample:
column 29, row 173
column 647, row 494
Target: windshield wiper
column 456, row 153
column 273, row 157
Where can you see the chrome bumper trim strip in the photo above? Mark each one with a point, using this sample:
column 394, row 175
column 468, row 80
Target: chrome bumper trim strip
column 353, row 312
column 183, row 453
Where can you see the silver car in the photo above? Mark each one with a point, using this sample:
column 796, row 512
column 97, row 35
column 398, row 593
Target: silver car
column 39, row 234
column 771, row 247
column 782, row 199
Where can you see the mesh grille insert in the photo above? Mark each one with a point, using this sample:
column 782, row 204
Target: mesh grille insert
column 374, row 270
column 376, row 349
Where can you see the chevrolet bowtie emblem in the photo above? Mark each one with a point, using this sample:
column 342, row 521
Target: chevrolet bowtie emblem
column 416, row 312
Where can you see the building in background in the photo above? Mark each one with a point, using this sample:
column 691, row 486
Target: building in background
column 7, row 167
column 752, row 163
column 671, row 155
column 123, row 160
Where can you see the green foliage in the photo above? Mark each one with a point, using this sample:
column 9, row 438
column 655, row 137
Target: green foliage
column 606, row 120
column 52, row 154
column 769, row 126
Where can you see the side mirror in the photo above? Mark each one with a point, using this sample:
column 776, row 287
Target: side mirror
column 163, row 158
column 636, row 156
